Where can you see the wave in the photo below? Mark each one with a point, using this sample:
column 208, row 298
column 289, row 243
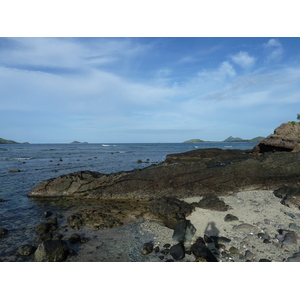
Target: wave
column 104, row 145
column 21, row 158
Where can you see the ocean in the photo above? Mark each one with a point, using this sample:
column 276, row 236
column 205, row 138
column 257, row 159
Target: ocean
column 37, row 162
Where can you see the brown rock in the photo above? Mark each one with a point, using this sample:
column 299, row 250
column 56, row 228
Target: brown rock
column 285, row 138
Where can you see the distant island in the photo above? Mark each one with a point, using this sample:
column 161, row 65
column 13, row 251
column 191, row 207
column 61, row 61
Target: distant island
column 76, row 142
column 3, row 141
column 228, row 140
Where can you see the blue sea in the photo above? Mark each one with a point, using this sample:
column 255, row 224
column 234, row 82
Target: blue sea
column 37, row 162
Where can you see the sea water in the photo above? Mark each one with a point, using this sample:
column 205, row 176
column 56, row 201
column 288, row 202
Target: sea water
column 38, row 162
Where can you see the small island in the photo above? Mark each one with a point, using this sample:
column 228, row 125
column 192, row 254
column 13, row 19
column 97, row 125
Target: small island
column 228, row 140
column 76, row 142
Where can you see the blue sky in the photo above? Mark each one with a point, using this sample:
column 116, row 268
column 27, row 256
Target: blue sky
column 146, row 89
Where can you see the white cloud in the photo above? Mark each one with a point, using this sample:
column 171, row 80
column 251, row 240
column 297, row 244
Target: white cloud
column 274, row 50
column 244, row 60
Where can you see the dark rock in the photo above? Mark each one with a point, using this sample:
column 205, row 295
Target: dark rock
column 161, row 257
column 263, row 236
column 172, row 211
column 51, row 251
column 45, row 237
column 84, row 240
column 294, row 226
column 3, row 232
column 177, row 251
column 2, row 200
column 167, row 245
column 290, row 215
column 14, row 170
column 290, row 238
column 264, row 260
column 59, row 236
column 74, row 238
column 212, row 202
column 200, row 250
column 156, row 249
column 194, row 173
column 234, row 250
column 47, row 214
column 26, row 250
column 184, row 232
column 147, row 248
column 44, row 228
column 165, row 251
column 230, row 218
column 284, row 138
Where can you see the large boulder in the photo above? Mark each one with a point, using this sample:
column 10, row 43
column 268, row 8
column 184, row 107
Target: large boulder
column 286, row 137
column 51, row 251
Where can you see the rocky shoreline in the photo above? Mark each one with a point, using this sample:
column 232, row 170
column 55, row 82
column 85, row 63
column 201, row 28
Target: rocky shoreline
column 204, row 205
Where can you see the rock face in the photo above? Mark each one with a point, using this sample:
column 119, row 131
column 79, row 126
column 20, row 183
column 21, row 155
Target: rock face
column 286, row 137
column 194, row 173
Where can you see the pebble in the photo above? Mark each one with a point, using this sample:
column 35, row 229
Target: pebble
column 249, row 255
column 246, row 228
column 230, row 218
column 177, row 251
column 26, row 250
column 147, row 248
column 290, row 215
column 294, row 226
column 294, row 258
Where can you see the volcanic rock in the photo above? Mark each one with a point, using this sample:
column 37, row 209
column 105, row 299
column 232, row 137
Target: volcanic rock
column 194, row 173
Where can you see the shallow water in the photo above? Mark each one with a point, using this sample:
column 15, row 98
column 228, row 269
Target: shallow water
column 37, row 162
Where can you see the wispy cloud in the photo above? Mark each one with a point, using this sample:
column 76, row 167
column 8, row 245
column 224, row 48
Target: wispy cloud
column 244, row 60
column 274, row 50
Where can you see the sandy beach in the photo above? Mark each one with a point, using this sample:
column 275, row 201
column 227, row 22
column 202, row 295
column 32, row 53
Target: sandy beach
column 258, row 239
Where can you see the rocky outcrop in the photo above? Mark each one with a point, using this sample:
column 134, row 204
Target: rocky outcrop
column 194, row 173
column 286, row 137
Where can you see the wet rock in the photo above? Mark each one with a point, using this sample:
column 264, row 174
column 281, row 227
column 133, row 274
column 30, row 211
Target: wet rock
column 14, row 170
column 201, row 251
column 26, row 250
column 246, row 228
column 74, row 238
column 147, row 248
column 290, row 238
column 156, row 249
column 177, row 251
column 184, row 232
column 51, row 251
column 263, row 236
column 290, row 215
column 167, row 245
column 220, row 239
column 264, row 260
column 44, row 228
column 212, row 202
column 230, row 218
column 3, row 232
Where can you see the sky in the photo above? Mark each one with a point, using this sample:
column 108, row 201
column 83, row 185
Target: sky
column 146, row 90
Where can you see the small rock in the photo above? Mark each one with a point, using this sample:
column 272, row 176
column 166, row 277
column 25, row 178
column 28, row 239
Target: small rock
column 294, row 226
column 247, row 228
column 177, row 251
column 14, row 170
column 26, row 250
column 51, row 251
column 230, row 218
column 290, row 215
column 233, row 250
column 165, row 251
column 74, row 238
column 156, row 249
column 3, row 232
column 290, row 238
column 147, row 248
column 264, row 260
column 263, row 236
column 167, row 245
column 84, row 240
column 249, row 255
